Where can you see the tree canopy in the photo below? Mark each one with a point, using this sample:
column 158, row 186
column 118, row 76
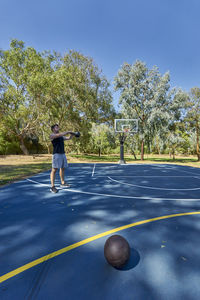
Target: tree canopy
column 38, row 89
column 145, row 95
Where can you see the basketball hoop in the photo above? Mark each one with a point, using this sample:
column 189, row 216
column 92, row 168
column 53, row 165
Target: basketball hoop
column 125, row 127
column 126, row 130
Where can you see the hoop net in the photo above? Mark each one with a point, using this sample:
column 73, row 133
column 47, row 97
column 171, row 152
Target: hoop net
column 126, row 129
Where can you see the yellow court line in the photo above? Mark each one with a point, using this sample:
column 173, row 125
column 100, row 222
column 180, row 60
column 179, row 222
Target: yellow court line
column 86, row 241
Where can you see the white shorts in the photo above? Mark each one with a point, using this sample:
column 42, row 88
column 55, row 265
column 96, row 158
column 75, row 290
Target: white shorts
column 59, row 161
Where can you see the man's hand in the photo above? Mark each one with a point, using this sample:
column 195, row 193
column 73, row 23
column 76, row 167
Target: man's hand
column 77, row 134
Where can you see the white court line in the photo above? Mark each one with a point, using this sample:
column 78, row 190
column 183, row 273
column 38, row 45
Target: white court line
column 93, row 170
column 115, row 196
column 152, row 188
column 146, row 176
column 34, row 181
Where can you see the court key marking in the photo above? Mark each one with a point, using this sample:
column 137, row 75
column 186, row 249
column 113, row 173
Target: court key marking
column 152, row 188
column 115, row 196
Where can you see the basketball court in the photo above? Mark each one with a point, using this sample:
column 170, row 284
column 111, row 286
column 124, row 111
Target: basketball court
column 52, row 245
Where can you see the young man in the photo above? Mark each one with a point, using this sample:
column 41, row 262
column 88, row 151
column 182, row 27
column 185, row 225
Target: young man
column 59, row 159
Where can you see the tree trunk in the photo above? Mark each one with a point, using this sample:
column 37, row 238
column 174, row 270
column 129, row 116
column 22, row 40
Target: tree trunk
column 48, row 146
column 142, row 150
column 99, row 152
column 134, row 154
column 173, row 154
column 197, row 146
column 48, row 149
column 22, row 146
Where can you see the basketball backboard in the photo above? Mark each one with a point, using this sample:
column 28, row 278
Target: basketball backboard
column 126, row 125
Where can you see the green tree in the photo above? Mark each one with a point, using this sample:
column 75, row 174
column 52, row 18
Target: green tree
column 144, row 95
column 174, row 141
column 102, row 138
column 23, row 81
column 177, row 108
column 193, row 115
column 81, row 95
column 39, row 89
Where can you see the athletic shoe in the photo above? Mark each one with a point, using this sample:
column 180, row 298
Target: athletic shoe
column 65, row 185
column 53, row 189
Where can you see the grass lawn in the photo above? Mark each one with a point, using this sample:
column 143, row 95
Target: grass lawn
column 16, row 167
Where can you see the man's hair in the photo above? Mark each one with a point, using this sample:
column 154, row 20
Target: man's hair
column 52, row 127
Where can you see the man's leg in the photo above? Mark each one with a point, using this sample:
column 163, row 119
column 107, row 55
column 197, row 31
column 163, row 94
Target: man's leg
column 52, row 176
column 62, row 175
column 53, row 189
column 62, row 171
column 62, row 179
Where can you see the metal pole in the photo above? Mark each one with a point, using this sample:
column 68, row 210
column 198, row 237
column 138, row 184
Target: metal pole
column 122, row 140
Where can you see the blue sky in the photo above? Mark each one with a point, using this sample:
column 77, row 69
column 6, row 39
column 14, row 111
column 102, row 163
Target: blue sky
column 159, row 32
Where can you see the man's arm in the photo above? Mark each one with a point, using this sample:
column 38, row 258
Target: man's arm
column 56, row 135
column 68, row 138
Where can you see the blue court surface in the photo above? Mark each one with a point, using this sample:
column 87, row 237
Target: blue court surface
column 52, row 245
